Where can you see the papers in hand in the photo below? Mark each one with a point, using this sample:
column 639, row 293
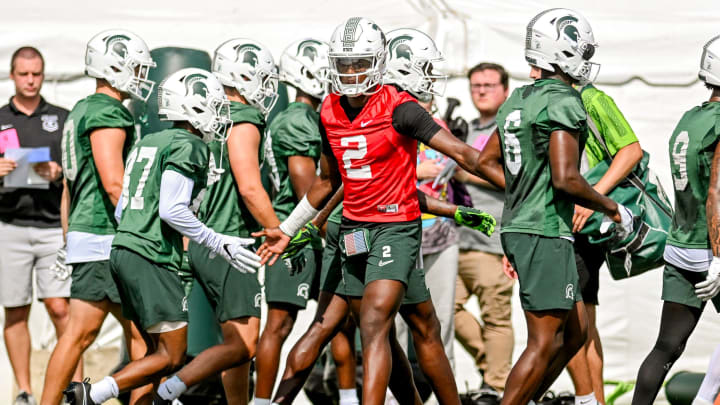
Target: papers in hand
column 24, row 176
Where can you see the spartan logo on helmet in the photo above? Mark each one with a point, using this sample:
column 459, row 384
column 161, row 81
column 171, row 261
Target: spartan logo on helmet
column 566, row 25
column 195, row 84
column 247, row 53
column 308, row 48
column 116, row 45
column 399, row 48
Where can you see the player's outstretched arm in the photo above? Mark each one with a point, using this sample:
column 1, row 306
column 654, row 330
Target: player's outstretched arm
column 277, row 239
column 463, row 216
column 709, row 288
column 174, row 210
column 486, row 164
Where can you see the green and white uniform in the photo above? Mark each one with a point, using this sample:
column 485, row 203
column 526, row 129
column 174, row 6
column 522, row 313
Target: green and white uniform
column 231, row 293
column 91, row 223
column 147, row 252
column 294, row 132
column 537, row 219
column 687, row 253
column 331, row 272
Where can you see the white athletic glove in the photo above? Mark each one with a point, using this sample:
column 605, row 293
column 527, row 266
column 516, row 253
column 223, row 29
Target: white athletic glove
column 708, row 289
column 233, row 250
column 624, row 228
column 62, row 271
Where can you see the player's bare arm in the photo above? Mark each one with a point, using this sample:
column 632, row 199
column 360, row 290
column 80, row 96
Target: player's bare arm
column 486, row 164
column 276, row 239
column 107, row 145
column 243, row 144
column 713, row 204
column 564, row 158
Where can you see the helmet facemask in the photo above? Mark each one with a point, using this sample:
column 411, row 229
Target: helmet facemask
column 368, row 65
column 138, row 84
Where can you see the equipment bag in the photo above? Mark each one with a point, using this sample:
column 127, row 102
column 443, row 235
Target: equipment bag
column 642, row 193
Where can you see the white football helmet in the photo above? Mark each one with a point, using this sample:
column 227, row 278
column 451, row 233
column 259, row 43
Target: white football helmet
column 412, row 59
column 304, row 65
column 248, row 66
column 357, row 43
column 562, row 37
column 123, row 59
column 710, row 62
column 197, row 96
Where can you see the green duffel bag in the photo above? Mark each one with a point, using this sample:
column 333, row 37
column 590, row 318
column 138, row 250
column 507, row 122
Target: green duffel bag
column 642, row 194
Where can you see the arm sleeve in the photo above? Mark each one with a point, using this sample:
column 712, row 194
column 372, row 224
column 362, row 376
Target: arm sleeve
column 412, row 120
column 174, row 209
column 610, row 121
column 297, row 137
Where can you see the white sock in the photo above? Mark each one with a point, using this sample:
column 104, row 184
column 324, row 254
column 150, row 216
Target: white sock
column 348, row 397
column 588, row 399
column 531, row 402
column 103, row 390
column 261, row 401
column 172, row 388
column 700, row 401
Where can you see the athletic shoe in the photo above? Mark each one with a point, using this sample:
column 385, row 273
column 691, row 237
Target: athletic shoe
column 79, row 393
column 23, row 398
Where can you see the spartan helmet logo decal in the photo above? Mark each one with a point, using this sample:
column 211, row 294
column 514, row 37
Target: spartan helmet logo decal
column 195, row 84
column 351, row 34
column 307, row 48
column 399, row 47
column 566, row 25
column 247, row 53
column 116, row 44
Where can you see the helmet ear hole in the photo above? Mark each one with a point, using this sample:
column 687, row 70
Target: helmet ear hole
column 588, row 52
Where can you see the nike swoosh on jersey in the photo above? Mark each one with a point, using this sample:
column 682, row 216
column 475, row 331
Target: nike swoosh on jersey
column 365, row 123
column 382, row 263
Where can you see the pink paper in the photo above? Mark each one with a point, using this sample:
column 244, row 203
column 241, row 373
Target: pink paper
column 9, row 139
column 480, row 142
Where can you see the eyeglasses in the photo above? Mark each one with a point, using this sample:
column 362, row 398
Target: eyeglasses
column 480, row 86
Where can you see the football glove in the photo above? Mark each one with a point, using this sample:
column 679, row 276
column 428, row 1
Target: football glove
column 62, row 271
column 622, row 229
column 233, row 250
column 708, row 289
column 475, row 219
column 300, row 240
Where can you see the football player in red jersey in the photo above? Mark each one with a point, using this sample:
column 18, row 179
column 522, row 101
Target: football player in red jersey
column 374, row 130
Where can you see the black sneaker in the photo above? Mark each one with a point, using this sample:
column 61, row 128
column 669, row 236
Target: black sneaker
column 78, row 393
column 563, row 398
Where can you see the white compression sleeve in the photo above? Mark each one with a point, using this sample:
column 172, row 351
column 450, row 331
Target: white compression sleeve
column 175, row 196
column 300, row 216
column 711, row 382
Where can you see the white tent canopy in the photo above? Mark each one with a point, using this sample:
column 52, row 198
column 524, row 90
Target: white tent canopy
column 649, row 51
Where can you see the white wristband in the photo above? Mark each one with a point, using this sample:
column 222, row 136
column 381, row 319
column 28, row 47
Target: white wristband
column 300, row 216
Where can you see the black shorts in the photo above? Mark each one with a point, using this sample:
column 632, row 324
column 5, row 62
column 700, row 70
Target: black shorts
column 588, row 259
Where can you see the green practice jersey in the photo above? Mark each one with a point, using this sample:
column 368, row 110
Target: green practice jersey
column 141, row 229
column 525, row 122
column 91, row 210
column 222, row 208
column 692, row 147
column 610, row 122
column 336, row 214
column 294, row 132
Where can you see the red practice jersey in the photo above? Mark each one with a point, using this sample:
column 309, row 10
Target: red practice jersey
column 377, row 164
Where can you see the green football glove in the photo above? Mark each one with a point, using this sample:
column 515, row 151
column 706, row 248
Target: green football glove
column 475, row 219
column 299, row 241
